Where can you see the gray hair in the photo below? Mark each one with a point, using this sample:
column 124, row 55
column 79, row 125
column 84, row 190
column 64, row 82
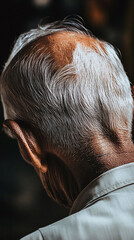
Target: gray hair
column 90, row 95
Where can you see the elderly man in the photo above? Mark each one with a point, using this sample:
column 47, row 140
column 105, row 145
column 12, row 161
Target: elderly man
column 67, row 101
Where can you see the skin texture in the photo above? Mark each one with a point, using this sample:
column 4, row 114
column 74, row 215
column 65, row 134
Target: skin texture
column 63, row 178
column 63, row 52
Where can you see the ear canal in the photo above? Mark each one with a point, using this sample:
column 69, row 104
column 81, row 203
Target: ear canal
column 28, row 144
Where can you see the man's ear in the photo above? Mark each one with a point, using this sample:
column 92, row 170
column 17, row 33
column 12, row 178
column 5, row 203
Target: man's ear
column 29, row 147
column 132, row 91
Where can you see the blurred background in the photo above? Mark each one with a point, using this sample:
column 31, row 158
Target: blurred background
column 24, row 205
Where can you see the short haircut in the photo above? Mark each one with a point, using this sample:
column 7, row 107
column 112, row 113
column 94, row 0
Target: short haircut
column 91, row 94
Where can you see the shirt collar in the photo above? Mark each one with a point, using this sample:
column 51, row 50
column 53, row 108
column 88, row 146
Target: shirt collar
column 105, row 183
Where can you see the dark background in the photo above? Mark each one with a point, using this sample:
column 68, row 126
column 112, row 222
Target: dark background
column 24, row 205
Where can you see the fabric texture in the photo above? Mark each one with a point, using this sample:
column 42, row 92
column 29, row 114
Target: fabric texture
column 103, row 210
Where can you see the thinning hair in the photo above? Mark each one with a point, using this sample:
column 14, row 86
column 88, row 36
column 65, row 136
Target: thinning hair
column 90, row 93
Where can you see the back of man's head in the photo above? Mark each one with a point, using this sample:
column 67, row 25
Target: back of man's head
column 69, row 86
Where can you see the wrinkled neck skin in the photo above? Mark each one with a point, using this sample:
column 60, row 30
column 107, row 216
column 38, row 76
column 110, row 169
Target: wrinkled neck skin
column 66, row 178
column 104, row 156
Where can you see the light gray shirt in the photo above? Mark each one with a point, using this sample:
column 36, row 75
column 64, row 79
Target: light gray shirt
column 104, row 210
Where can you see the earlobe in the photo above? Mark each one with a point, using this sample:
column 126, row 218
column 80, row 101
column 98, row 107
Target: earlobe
column 28, row 144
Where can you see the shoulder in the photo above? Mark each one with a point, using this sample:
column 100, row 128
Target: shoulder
column 109, row 217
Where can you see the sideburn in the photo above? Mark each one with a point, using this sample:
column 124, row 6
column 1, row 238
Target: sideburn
column 59, row 182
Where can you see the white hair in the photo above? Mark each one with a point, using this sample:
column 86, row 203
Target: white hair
column 48, row 29
column 90, row 95
column 104, row 87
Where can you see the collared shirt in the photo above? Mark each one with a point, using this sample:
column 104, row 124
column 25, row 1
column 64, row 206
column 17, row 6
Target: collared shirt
column 104, row 210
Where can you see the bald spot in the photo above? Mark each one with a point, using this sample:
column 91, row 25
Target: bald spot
column 61, row 45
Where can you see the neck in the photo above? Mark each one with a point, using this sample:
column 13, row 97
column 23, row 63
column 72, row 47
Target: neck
column 104, row 156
